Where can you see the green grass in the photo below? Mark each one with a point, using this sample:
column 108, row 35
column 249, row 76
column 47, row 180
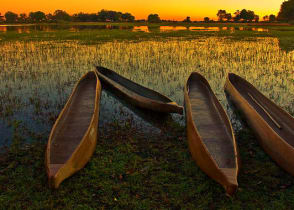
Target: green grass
column 131, row 171
column 285, row 33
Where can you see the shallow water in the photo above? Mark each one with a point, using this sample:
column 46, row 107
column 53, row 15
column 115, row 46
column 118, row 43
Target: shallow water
column 76, row 28
column 37, row 77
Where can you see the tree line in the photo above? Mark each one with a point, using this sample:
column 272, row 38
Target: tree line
column 286, row 14
column 242, row 16
column 60, row 15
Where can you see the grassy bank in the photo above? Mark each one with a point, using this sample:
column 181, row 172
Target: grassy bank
column 130, row 170
column 283, row 32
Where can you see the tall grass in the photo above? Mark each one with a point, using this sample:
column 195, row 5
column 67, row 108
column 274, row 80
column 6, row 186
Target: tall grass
column 37, row 76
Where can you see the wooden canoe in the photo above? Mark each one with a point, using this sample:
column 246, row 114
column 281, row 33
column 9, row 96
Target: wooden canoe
column 210, row 134
column 73, row 138
column 136, row 94
column 273, row 126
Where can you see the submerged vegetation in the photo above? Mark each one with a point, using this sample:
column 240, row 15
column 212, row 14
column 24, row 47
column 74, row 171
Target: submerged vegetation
column 138, row 163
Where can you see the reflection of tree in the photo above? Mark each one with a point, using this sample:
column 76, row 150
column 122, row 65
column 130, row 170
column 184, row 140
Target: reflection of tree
column 154, row 29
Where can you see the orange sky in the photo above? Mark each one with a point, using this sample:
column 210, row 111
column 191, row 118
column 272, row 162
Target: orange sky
column 167, row 9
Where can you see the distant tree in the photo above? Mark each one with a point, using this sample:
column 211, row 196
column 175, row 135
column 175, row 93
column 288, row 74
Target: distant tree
column 153, row 18
column 228, row 16
column 127, row 17
column 105, row 15
column 265, row 18
column 187, row 20
column 102, row 15
column 206, row 19
column 286, row 12
column 221, row 14
column 237, row 15
column 61, row 15
column 37, row 16
column 50, row 17
column 256, row 18
column 10, row 17
column 272, row 18
column 23, row 18
column 243, row 14
column 250, row 15
column 247, row 15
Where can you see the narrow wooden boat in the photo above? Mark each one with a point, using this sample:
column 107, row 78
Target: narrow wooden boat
column 73, row 137
column 210, row 134
column 273, row 126
column 136, row 94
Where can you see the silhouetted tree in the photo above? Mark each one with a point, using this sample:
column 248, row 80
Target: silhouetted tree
column 286, row 12
column 10, row 17
column 206, row 19
column 84, row 17
column 256, row 18
column 221, row 14
column 187, row 20
column 37, row 16
column 272, row 18
column 247, row 15
column 228, row 16
column 265, row 18
column 127, row 17
column 105, row 15
column 23, row 18
column 237, row 15
column 50, row 17
column 153, row 18
column 61, row 15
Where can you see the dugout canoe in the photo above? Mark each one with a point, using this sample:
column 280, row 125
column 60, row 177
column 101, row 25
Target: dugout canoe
column 73, row 138
column 273, row 126
column 136, row 94
column 210, row 135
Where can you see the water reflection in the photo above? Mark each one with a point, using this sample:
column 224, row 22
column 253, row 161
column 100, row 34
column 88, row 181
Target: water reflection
column 148, row 29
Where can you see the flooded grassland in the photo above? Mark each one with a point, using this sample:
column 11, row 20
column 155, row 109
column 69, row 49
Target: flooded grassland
column 37, row 77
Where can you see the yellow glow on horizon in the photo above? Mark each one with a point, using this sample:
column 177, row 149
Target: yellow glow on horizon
column 166, row 9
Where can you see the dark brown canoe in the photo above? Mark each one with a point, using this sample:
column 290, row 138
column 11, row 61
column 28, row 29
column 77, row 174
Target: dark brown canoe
column 136, row 94
column 273, row 126
column 210, row 134
column 73, row 137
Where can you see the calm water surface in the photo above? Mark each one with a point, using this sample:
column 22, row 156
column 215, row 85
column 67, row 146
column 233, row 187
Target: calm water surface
column 37, row 77
column 76, row 28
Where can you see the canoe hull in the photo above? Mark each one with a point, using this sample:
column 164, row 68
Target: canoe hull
column 272, row 143
column 84, row 151
column 138, row 100
column 202, row 157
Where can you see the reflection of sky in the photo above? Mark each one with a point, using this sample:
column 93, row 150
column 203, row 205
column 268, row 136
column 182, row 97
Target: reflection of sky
column 76, row 28
column 39, row 76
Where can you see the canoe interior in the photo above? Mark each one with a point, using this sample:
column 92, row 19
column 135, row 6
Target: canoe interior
column 134, row 87
column 75, row 122
column 280, row 116
column 210, row 123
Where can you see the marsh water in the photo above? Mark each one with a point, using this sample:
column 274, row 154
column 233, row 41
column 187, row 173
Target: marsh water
column 37, row 77
column 75, row 28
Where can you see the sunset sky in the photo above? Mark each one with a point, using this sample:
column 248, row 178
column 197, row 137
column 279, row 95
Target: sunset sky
column 167, row 9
